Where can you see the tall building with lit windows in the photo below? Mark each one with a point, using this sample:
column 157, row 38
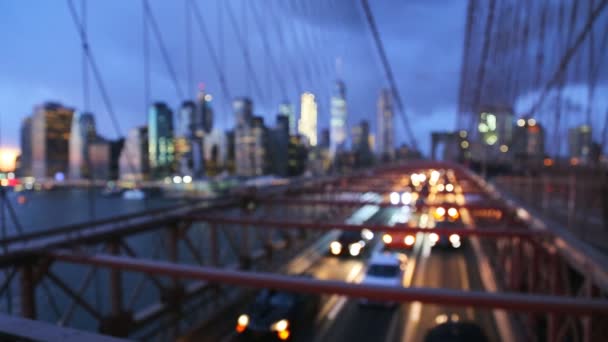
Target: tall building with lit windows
column 287, row 109
column 385, row 135
column 338, row 116
column 307, row 126
column 50, row 135
column 160, row 140
column 83, row 132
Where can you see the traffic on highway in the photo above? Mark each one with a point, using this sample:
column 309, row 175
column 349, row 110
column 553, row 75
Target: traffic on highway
column 427, row 199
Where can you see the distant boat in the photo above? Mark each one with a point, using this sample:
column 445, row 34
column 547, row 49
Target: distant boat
column 134, row 194
column 111, row 191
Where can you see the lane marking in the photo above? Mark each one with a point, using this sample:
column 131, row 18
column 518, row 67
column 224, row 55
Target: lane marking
column 413, row 316
column 505, row 330
column 464, row 283
column 354, row 272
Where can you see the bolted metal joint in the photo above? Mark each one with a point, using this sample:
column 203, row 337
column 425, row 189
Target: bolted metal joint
column 117, row 324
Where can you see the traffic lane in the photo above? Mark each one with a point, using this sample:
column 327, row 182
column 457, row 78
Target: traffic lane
column 448, row 269
column 361, row 323
column 327, row 268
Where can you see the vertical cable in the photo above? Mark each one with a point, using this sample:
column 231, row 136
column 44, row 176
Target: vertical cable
column 189, row 48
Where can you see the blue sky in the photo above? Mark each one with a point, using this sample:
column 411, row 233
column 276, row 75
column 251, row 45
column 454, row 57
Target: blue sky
column 41, row 57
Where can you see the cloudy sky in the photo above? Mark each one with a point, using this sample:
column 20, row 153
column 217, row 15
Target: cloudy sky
column 41, row 58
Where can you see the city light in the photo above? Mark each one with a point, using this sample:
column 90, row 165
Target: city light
column 548, row 162
column 7, row 159
column 463, row 134
column 504, row 148
column 187, row 179
column 177, row 179
column 394, row 198
column 531, row 122
column 464, row 144
column 521, row 122
column 406, row 198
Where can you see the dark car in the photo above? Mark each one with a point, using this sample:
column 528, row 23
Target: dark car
column 447, row 241
column 456, row 332
column 349, row 243
column 274, row 315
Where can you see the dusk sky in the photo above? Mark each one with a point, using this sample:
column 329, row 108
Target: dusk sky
column 41, row 58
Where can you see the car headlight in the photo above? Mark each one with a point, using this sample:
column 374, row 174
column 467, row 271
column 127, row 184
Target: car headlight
column 367, row 234
column 335, row 247
column 409, row 240
column 453, row 212
column 387, row 238
column 281, row 325
column 454, row 238
column 394, row 198
column 433, row 237
column 241, row 323
column 354, row 249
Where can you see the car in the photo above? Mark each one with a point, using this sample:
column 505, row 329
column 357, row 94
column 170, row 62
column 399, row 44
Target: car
column 450, row 329
column 398, row 240
column 348, row 243
column 386, row 269
column 445, row 241
column 274, row 315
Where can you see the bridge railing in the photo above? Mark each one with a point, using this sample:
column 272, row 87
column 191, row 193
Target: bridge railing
column 580, row 204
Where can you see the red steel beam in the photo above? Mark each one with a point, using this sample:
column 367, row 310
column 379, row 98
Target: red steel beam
column 403, row 228
column 350, row 203
column 451, row 297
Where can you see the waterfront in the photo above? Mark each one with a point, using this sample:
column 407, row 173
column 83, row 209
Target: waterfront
column 43, row 210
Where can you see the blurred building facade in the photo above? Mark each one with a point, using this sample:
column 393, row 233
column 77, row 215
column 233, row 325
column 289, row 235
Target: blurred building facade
column 361, row 149
column 338, row 119
column 161, row 140
column 307, row 126
column 83, row 132
column 25, row 160
column 134, row 161
column 50, row 136
column 385, row 139
column 580, row 143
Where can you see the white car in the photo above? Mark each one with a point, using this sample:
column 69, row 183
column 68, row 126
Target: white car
column 385, row 269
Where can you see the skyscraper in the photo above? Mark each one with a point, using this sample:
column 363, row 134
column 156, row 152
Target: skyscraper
column 278, row 145
column 25, row 163
column 203, row 121
column 361, row 148
column 338, row 129
column 385, row 137
column 528, row 140
column 243, row 137
column 307, row 126
column 287, row 109
column 82, row 133
column 160, row 140
column 243, row 110
column 134, row 162
column 51, row 124
column 579, row 142
column 187, row 145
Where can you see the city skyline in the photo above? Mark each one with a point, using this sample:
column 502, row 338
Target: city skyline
column 63, row 82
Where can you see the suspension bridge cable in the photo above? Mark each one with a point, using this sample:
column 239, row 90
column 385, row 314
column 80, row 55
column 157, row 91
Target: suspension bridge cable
column 188, row 44
column 388, row 71
column 214, row 58
column 163, row 50
column 283, row 47
column 97, row 76
column 244, row 51
column 273, row 63
column 305, row 62
column 567, row 56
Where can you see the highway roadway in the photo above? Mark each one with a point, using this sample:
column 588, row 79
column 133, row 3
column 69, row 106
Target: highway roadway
column 342, row 319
